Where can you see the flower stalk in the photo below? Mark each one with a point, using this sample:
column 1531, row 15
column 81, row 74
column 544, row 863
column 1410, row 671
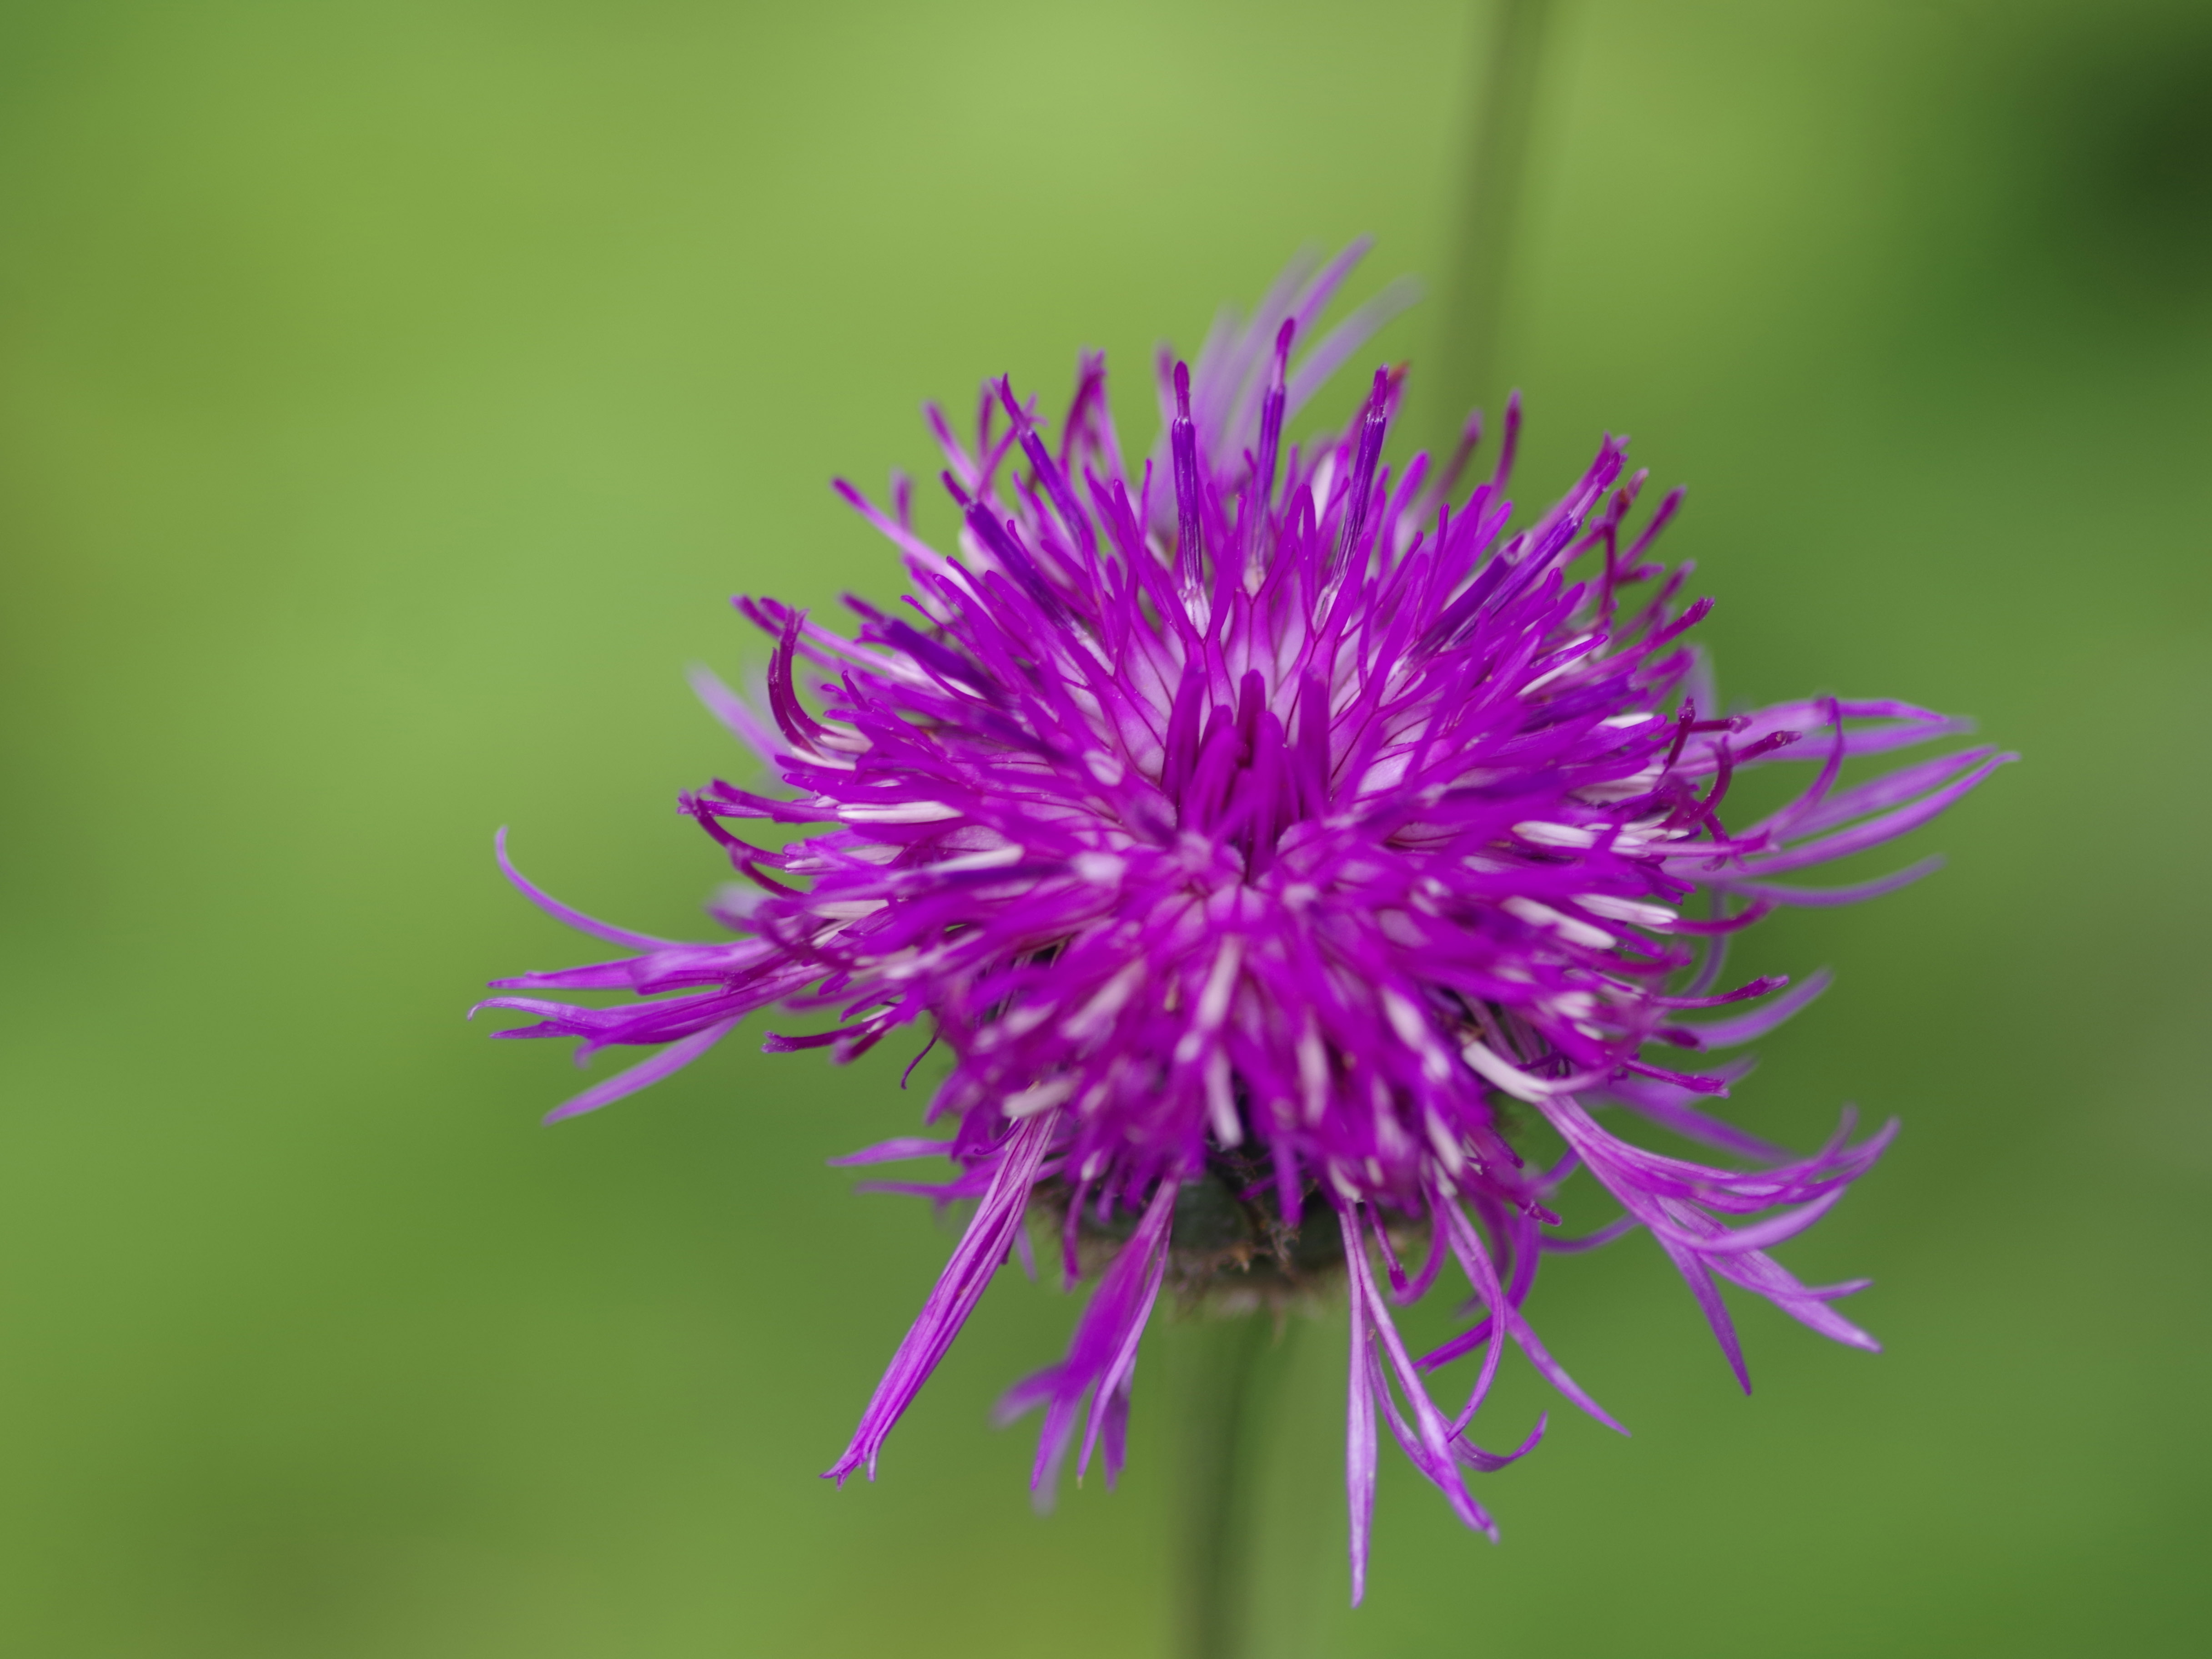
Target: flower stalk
column 1221, row 1430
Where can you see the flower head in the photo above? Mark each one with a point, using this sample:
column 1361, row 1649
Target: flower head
column 1261, row 833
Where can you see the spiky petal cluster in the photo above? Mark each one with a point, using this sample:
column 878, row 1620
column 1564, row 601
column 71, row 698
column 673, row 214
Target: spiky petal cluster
column 1257, row 817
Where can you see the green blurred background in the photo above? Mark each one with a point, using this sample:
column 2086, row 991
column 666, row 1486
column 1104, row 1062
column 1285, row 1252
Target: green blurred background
column 390, row 393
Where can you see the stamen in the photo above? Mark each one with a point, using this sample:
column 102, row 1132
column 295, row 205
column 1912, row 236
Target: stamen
column 1371, row 428
column 1182, row 443
column 1262, row 486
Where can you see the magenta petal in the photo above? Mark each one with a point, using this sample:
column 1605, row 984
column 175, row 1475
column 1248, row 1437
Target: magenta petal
column 673, row 1059
column 559, row 912
column 958, row 1289
column 1748, row 1028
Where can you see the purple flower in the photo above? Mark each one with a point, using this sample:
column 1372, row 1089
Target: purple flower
column 1273, row 842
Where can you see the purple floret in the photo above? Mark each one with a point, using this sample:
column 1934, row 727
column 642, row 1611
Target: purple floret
column 1254, row 822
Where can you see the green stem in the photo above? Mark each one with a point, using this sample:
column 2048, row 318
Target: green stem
column 1218, row 1425
column 1497, row 163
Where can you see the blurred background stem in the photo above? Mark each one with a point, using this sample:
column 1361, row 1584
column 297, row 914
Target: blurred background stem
column 1511, row 53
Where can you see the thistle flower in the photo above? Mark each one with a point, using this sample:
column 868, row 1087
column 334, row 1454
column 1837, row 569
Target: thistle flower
column 1263, row 837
